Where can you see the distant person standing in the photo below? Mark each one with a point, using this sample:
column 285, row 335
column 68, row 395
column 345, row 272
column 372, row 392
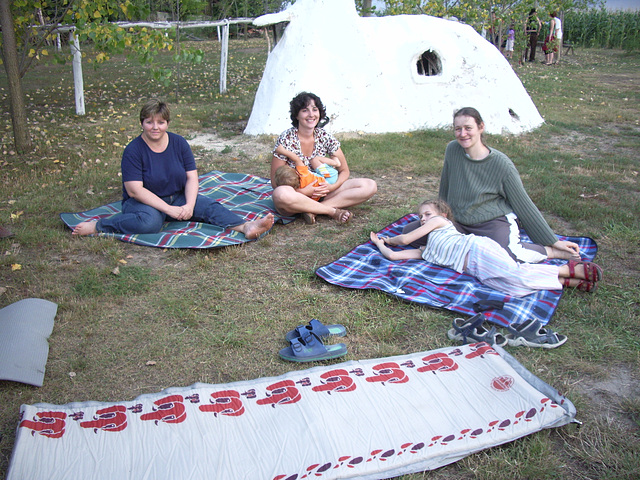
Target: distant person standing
column 558, row 34
column 532, row 29
column 553, row 42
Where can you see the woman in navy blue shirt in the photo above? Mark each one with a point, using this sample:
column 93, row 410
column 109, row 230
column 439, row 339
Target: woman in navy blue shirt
column 160, row 182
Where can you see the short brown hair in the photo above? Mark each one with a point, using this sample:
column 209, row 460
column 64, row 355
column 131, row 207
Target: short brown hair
column 441, row 206
column 153, row 107
column 285, row 175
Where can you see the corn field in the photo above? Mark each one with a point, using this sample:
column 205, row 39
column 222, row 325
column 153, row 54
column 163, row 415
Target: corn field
column 603, row 29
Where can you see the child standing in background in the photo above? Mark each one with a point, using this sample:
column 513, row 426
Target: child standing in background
column 511, row 39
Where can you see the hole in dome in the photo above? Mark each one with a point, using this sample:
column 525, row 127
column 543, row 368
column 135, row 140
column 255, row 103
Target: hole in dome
column 429, row 64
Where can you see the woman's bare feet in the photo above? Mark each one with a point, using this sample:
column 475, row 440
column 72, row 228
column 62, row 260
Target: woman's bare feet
column 255, row 228
column 85, row 228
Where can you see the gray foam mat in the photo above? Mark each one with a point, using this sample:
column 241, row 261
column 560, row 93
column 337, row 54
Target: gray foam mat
column 25, row 327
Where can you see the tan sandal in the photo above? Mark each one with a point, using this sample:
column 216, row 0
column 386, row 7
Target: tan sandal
column 342, row 216
column 309, row 218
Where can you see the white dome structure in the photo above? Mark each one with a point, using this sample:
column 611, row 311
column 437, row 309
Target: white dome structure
column 386, row 74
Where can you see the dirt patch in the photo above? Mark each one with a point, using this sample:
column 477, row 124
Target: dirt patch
column 249, row 145
column 612, row 393
column 584, row 145
column 621, row 81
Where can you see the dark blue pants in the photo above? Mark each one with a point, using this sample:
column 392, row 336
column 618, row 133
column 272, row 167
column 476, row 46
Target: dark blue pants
column 137, row 217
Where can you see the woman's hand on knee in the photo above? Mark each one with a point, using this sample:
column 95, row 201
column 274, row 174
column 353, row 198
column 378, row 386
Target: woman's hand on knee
column 175, row 212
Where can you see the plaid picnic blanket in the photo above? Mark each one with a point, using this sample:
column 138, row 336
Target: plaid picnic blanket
column 428, row 284
column 246, row 195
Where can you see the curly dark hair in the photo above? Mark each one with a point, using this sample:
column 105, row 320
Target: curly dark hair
column 302, row 100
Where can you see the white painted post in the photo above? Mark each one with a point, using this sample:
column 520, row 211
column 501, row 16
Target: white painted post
column 224, row 53
column 77, row 73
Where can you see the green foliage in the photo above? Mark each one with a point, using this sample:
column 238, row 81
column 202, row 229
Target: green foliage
column 190, row 56
column 245, row 8
column 187, row 7
column 92, row 21
column 604, row 29
column 485, row 15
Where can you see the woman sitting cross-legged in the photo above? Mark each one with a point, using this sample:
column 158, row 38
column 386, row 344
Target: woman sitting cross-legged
column 310, row 143
column 483, row 258
column 160, row 182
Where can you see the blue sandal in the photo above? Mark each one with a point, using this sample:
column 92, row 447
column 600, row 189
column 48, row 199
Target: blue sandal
column 308, row 348
column 471, row 331
column 319, row 329
column 532, row 334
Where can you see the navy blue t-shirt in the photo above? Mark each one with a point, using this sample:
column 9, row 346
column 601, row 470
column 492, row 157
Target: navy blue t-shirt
column 162, row 173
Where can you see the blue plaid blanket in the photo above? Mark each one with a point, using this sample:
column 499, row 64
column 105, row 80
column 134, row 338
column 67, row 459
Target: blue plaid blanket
column 428, row 284
column 246, row 195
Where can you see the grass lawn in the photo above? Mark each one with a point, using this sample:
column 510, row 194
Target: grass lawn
column 172, row 318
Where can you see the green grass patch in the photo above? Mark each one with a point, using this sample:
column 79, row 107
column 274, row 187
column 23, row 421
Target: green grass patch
column 97, row 282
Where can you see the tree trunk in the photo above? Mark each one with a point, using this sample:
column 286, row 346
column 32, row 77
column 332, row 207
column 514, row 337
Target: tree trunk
column 366, row 7
column 21, row 136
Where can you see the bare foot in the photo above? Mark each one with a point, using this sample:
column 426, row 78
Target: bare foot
column 256, row 228
column 553, row 252
column 85, row 228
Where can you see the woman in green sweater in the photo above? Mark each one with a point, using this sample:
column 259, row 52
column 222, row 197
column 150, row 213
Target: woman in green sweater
column 485, row 192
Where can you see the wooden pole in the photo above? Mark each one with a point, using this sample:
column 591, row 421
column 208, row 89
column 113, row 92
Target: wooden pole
column 266, row 34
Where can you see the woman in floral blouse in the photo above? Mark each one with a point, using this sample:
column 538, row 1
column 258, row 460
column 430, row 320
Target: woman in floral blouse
column 307, row 140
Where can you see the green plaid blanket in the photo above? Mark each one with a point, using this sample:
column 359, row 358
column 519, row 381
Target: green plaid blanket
column 246, row 195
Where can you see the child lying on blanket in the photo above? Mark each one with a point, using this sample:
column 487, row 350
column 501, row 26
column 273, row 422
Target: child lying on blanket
column 483, row 258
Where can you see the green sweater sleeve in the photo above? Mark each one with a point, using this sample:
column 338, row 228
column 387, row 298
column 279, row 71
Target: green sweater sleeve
column 530, row 217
